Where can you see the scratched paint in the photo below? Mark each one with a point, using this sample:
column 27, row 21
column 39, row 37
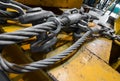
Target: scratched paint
column 86, row 65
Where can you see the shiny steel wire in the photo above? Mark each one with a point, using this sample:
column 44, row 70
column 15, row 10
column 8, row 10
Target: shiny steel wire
column 13, row 6
column 6, row 14
column 20, row 35
column 14, row 68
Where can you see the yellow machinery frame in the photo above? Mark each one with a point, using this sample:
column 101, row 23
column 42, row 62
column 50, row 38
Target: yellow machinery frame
column 54, row 3
column 89, row 63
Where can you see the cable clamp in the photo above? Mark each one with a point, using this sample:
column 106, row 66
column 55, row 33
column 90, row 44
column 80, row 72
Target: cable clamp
column 57, row 22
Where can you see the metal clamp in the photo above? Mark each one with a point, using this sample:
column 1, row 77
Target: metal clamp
column 58, row 24
column 47, row 40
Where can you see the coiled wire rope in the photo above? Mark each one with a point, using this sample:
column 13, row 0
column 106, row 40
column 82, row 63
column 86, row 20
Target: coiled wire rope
column 20, row 35
column 11, row 67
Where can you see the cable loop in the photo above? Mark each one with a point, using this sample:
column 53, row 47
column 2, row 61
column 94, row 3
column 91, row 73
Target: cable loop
column 14, row 68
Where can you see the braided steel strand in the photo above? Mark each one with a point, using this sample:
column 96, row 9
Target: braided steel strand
column 6, row 14
column 20, row 35
column 13, row 6
column 11, row 38
column 11, row 67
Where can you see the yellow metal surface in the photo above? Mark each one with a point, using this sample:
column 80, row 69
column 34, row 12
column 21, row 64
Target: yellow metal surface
column 54, row 3
column 90, row 63
column 14, row 53
column 117, row 28
column 101, row 48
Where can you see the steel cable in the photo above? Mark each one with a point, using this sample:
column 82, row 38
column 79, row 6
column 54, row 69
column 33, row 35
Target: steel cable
column 11, row 67
column 13, row 6
column 20, row 35
column 51, row 25
column 6, row 14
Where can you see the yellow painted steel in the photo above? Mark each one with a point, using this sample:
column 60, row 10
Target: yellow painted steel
column 117, row 28
column 54, row 3
column 90, row 63
column 116, row 65
column 15, row 54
